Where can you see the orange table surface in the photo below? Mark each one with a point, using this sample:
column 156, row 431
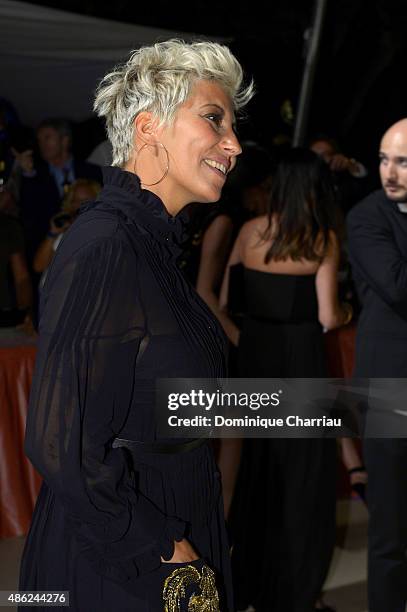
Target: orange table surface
column 19, row 482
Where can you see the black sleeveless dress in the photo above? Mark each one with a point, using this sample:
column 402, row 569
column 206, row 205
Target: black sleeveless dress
column 283, row 516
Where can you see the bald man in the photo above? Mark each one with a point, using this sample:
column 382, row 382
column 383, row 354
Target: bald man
column 377, row 230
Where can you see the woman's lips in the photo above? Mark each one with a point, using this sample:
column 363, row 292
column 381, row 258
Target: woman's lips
column 216, row 171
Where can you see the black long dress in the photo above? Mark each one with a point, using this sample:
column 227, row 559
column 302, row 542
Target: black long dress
column 283, row 517
column 116, row 315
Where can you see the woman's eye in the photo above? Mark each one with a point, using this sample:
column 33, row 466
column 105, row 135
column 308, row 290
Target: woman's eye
column 216, row 119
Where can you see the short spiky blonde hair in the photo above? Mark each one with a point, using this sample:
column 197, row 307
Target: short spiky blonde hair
column 158, row 79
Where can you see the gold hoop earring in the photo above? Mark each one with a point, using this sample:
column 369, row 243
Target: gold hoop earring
column 159, row 144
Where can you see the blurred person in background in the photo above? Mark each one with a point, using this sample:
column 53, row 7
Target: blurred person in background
column 45, row 181
column 351, row 178
column 327, row 148
column 79, row 192
column 14, row 138
column 15, row 283
column 8, row 204
column 283, row 515
column 9, row 123
column 16, row 296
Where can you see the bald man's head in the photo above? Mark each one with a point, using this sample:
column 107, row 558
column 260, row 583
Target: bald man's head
column 393, row 161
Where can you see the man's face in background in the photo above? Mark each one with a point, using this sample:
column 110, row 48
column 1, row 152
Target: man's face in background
column 393, row 164
column 52, row 144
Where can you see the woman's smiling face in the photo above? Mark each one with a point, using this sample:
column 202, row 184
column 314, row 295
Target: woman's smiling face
column 202, row 147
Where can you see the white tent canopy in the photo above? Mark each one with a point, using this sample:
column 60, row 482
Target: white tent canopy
column 52, row 60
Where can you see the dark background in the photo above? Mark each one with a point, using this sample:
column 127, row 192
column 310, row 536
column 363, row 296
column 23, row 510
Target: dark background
column 360, row 85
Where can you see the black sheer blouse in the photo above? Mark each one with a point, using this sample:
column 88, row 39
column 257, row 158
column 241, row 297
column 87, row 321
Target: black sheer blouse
column 117, row 314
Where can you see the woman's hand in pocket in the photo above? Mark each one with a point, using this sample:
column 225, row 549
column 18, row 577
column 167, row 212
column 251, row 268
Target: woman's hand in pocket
column 183, row 553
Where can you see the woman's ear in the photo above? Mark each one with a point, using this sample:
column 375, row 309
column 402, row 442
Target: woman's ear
column 145, row 125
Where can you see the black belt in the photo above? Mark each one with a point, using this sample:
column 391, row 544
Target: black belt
column 157, row 447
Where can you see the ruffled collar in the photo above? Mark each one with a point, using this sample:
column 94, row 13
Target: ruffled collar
column 122, row 191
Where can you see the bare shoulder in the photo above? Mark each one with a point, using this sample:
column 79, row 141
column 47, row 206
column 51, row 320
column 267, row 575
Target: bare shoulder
column 252, row 230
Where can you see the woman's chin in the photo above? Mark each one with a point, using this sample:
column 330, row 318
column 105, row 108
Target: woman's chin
column 209, row 197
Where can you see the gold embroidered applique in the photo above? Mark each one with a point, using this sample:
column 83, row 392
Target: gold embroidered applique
column 176, row 584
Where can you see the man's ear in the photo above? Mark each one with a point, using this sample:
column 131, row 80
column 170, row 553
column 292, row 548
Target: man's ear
column 145, row 125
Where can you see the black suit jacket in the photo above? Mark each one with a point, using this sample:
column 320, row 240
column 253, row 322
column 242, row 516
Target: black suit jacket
column 377, row 232
column 40, row 199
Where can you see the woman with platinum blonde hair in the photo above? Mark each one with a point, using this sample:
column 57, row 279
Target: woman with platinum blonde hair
column 126, row 520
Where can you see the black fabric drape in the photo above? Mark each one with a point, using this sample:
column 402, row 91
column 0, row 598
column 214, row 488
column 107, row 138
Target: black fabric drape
column 116, row 314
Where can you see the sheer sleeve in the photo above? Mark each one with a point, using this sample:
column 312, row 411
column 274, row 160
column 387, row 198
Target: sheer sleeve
column 90, row 334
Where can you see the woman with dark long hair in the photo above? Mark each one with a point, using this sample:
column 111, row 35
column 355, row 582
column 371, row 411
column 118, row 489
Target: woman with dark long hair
column 284, row 518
